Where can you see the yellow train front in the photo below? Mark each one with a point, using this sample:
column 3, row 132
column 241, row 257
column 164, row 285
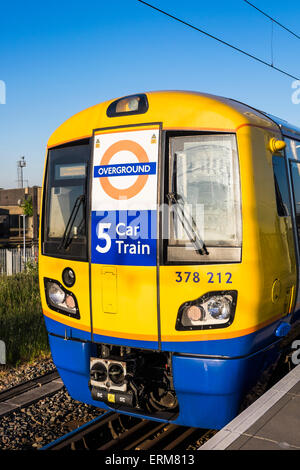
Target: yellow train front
column 168, row 252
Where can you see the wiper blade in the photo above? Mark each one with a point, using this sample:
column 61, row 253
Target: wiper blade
column 190, row 228
column 66, row 236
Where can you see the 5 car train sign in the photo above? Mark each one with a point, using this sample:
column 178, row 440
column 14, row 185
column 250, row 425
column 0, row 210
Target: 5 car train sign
column 124, row 197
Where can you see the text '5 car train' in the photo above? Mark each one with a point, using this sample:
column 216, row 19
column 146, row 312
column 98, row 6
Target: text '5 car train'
column 169, row 253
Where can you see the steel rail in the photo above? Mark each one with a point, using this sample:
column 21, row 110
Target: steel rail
column 29, row 392
column 143, row 435
column 158, row 441
column 124, row 439
column 133, row 445
column 22, row 387
column 71, row 438
column 187, row 435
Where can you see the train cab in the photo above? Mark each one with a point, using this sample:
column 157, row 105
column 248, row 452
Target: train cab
column 169, row 253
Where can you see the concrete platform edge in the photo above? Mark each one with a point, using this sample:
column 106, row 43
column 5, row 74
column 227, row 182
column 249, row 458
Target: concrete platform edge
column 249, row 416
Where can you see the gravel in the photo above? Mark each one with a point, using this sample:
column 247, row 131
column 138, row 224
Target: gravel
column 9, row 377
column 42, row 422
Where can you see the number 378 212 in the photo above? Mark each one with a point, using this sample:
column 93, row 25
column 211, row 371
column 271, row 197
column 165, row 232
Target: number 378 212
column 209, row 277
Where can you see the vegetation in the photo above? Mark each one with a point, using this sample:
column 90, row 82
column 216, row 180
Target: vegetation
column 27, row 207
column 22, row 325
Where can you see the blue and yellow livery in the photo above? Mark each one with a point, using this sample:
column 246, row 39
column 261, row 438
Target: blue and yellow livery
column 169, row 253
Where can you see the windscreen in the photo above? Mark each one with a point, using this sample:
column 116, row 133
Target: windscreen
column 65, row 215
column 204, row 198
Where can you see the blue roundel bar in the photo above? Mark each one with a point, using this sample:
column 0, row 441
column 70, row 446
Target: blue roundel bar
column 125, row 169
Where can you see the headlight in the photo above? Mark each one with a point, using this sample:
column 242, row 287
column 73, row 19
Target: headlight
column 219, row 307
column 193, row 313
column 212, row 310
column 56, row 294
column 59, row 299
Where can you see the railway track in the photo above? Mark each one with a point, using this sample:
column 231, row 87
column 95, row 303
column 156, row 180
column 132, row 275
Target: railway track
column 26, row 393
column 114, row 432
column 108, row 432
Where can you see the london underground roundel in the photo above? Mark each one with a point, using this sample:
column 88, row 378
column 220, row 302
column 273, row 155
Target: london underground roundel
column 126, row 169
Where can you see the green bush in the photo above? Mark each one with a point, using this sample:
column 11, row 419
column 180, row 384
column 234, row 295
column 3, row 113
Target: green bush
column 22, row 325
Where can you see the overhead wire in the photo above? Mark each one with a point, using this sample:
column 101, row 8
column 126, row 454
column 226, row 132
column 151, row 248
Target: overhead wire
column 219, row 40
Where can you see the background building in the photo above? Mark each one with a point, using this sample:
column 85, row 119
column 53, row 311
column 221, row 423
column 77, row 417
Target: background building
column 11, row 216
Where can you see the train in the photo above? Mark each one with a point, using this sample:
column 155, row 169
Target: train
column 169, row 254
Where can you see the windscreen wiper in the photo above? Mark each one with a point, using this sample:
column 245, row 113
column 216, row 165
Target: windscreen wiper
column 189, row 227
column 66, row 236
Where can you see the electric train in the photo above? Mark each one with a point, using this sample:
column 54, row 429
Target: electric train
column 169, row 253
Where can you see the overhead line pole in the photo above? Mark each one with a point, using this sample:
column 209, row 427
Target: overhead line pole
column 272, row 19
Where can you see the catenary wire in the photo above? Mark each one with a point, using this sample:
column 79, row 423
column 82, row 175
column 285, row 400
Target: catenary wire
column 273, row 19
column 220, row 40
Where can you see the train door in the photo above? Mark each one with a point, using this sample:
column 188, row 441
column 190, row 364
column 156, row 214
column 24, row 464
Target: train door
column 123, row 269
column 295, row 177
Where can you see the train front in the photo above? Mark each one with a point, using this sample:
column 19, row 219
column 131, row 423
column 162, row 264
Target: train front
column 140, row 258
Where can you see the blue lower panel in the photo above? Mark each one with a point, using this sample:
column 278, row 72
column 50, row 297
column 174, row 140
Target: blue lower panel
column 60, row 329
column 125, row 342
column 72, row 359
column 209, row 391
column 231, row 347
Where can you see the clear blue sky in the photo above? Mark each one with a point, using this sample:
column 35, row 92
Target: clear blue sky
column 59, row 57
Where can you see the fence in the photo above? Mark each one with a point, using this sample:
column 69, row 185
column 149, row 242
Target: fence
column 12, row 260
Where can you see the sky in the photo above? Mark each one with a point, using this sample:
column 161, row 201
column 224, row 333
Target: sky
column 60, row 57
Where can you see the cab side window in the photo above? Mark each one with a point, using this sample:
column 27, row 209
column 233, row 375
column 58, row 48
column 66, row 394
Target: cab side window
column 281, row 187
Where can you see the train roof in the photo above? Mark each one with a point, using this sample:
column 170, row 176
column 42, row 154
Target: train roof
column 175, row 109
column 286, row 128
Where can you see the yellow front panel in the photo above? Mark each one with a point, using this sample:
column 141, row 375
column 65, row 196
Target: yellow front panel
column 268, row 257
column 134, row 315
column 201, row 280
column 109, row 289
column 52, row 268
column 123, row 252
